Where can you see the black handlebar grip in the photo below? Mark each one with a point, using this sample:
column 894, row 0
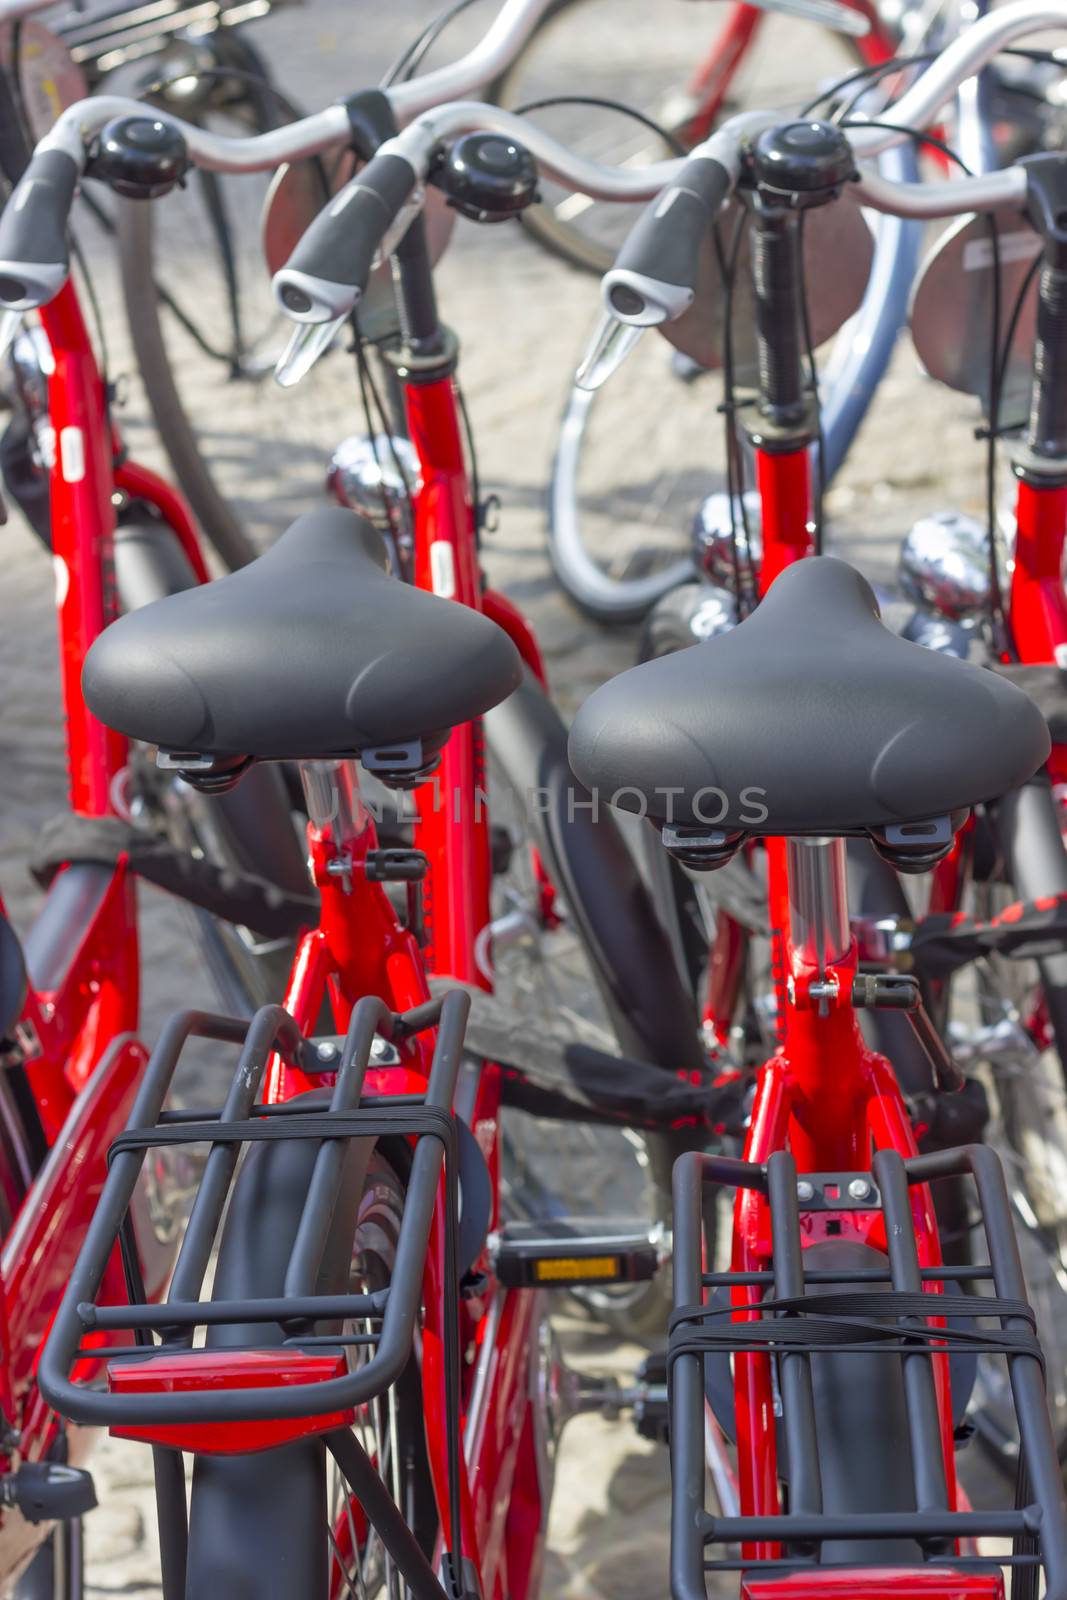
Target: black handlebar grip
column 656, row 269
column 328, row 271
column 34, row 259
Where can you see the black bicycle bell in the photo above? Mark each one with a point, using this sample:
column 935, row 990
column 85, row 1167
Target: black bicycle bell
column 803, row 162
column 139, row 157
column 487, row 177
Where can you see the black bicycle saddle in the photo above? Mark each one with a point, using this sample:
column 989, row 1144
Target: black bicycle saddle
column 811, row 711
column 311, row 651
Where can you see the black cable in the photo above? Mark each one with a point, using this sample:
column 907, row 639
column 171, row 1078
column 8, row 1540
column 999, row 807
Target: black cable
column 404, row 66
column 94, row 305
column 673, row 143
column 17, row 93
column 813, row 379
column 997, row 619
column 918, row 134
column 1013, row 323
column 735, row 467
column 472, row 456
column 868, row 76
column 378, row 426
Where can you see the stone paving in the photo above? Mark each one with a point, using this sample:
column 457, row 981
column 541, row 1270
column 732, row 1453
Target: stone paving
column 523, row 320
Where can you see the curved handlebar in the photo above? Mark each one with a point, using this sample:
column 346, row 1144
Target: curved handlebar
column 32, row 247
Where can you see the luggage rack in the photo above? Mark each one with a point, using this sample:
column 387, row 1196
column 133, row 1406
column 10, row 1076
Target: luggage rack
column 802, row 1317
column 327, row 1393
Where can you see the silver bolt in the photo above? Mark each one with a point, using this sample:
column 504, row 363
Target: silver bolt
column 860, row 1189
column 326, row 1051
column 805, row 1190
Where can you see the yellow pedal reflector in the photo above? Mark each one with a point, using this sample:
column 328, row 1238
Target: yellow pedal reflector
column 568, row 1269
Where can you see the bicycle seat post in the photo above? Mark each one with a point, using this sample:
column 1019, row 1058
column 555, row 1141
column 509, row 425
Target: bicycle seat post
column 819, row 928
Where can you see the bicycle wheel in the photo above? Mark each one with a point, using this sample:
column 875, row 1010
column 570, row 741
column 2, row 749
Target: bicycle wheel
column 281, row 1524
column 752, row 60
column 544, row 974
column 635, row 462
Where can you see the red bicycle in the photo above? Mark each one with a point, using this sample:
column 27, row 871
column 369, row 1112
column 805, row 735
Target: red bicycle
column 997, row 894
column 308, row 655
column 314, row 661
column 69, row 1008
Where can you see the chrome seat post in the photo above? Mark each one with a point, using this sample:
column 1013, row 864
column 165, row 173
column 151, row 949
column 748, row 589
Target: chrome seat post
column 818, row 900
column 334, row 801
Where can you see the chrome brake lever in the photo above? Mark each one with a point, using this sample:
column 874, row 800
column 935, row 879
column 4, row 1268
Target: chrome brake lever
column 307, row 342
column 610, row 345
column 400, row 225
column 10, row 324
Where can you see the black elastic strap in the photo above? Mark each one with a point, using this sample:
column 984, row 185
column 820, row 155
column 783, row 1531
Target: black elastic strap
column 822, row 1323
column 233, row 895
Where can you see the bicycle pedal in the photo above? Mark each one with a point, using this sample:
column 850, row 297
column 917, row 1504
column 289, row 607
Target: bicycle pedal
column 49, row 1491
column 568, row 1252
column 651, row 1411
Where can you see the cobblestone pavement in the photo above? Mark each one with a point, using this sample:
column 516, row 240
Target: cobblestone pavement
column 522, row 320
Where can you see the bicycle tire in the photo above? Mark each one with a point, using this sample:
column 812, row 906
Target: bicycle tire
column 252, row 1518
column 135, row 227
column 218, row 522
column 1028, row 1130
column 563, row 1168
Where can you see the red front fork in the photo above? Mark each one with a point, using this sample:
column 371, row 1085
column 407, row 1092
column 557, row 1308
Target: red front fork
column 83, row 528
column 1038, row 604
column 453, row 828
column 784, row 484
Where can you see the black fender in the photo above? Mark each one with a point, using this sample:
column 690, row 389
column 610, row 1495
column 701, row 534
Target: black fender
column 249, row 1515
column 654, row 1014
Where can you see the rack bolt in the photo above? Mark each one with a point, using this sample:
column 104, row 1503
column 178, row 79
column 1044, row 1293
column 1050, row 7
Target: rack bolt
column 326, row 1052
column 860, row 1189
column 805, row 1190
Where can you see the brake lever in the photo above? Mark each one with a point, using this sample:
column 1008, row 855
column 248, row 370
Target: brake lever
column 610, row 345
column 10, row 324
column 400, row 225
column 828, row 13
column 307, row 342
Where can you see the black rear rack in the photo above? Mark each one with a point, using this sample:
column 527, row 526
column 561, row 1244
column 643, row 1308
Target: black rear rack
column 346, row 1114
column 802, row 1316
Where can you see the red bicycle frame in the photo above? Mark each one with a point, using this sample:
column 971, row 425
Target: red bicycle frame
column 76, row 1037
column 830, row 1100
column 360, row 948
